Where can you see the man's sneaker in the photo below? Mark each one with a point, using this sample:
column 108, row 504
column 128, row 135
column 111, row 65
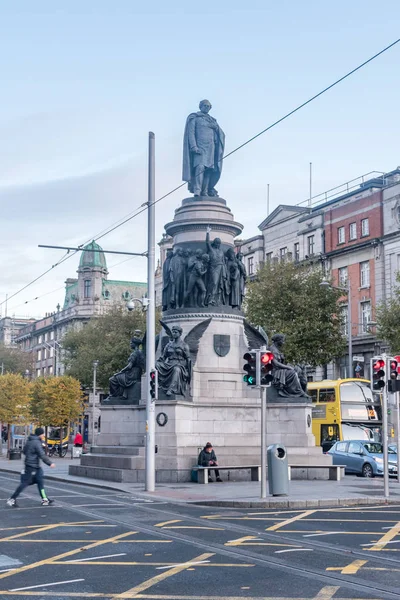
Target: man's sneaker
column 210, row 480
column 12, row 502
column 47, row 502
column 219, row 479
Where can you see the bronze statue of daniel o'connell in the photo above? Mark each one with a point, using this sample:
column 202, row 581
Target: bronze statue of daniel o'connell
column 203, row 151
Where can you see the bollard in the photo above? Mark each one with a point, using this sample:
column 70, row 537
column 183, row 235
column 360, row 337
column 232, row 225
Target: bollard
column 278, row 475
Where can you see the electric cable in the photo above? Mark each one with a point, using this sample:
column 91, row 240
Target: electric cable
column 144, row 206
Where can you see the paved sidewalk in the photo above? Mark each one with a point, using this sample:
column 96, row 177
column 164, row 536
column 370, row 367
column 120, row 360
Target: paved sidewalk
column 302, row 494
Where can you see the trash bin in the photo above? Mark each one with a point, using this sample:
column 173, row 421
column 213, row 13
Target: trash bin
column 278, row 475
column 14, row 455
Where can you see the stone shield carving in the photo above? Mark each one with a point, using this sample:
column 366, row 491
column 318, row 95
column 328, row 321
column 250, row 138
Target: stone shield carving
column 222, row 344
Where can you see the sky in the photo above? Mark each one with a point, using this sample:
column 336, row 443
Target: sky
column 82, row 84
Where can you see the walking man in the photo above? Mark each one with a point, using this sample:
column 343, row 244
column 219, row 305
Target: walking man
column 33, row 472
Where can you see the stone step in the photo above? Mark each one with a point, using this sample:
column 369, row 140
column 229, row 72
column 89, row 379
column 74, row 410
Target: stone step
column 114, row 450
column 106, row 474
column 109, row 461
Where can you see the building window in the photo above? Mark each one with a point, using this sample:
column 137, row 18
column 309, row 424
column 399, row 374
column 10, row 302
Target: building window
column 39, row 355
column 38, row 372
column 341, row 235
column 310, row 245
column 365, row 227
column 268, row 257
column 365, row 316
column 88, row 288
column 344, row 317
column 282, row 253
column 250, row 264
column 50, row 369
column 44, row 371
column 342, row 276
column 297, row 251
column 52, row 335
column 40, row 339
column 364, row 274
column 353, row 231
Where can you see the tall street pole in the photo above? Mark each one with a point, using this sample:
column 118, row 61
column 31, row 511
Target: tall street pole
column 95, row 365
column 151, row 316
column 398, row 434
column 350, row 329
column 385, row 431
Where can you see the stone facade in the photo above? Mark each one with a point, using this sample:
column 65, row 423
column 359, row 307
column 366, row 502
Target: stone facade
column 87, row 296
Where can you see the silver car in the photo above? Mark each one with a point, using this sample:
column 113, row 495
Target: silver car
column 362, row 458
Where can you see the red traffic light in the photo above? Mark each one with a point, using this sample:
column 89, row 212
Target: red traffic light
column 379, row 364
column 266, row 358
column 153, row 375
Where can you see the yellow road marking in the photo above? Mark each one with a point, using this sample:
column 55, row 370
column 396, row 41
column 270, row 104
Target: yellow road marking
column 349, row 569
column 247, row 541
column 63, row 524
column 86, row 541
column 168, row 522
column 145, row 564
column 192, row 527
column 387, row 537
column 327, row 592
column 338, row 532
column 314, row 520
column 48, row 561
column 154, row 580
column 30, row 532
column 291, row 520
column 326, row 596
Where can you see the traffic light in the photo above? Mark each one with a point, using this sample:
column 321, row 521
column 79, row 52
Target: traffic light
column 266, row 367
column 154, row 384
column 394, row 382
column 378, row 370
column 250, row 368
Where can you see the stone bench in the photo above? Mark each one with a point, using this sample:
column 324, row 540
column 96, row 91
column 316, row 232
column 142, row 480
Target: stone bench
column 335, row 472
column 203, row 472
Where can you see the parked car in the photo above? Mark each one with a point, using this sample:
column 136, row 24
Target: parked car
column 363, row 458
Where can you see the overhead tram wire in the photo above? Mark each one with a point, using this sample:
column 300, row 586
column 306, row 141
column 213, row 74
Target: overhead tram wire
column 66, row 256
column 254, row 137
column 286, row 116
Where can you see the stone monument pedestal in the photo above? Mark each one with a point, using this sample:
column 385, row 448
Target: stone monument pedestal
column 218, row 406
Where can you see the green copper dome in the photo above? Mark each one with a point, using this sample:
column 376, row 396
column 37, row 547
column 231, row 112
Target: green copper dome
column 93, row 256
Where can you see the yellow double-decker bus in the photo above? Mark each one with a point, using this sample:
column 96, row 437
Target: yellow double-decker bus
column 344, row 409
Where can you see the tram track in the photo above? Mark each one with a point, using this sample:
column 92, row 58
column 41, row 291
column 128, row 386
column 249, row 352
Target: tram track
column 242, row 553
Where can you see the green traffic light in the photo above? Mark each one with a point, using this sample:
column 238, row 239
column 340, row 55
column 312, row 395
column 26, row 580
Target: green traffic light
column 251, row 380
column 245, row 378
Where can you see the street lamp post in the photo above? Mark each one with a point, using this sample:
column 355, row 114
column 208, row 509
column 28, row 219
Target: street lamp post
column 349, row 323
column 95, row 365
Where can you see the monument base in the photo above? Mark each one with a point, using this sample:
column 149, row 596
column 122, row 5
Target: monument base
column 182, row 430
column 133, row 395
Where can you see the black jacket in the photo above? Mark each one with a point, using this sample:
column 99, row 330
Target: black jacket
column 205, row 457
column 34, row 453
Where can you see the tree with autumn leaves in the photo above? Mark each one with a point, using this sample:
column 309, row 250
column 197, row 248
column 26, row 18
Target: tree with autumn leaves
column 15, row 400
column 55, row 401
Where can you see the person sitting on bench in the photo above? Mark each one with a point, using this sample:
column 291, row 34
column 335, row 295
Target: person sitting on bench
column 207, row 458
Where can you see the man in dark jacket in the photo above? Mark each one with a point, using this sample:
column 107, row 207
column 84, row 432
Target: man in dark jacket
column 33, row 473
column 207, row 458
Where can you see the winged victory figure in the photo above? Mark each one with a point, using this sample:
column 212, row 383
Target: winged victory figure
column 256, row 336
column 178, row 356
